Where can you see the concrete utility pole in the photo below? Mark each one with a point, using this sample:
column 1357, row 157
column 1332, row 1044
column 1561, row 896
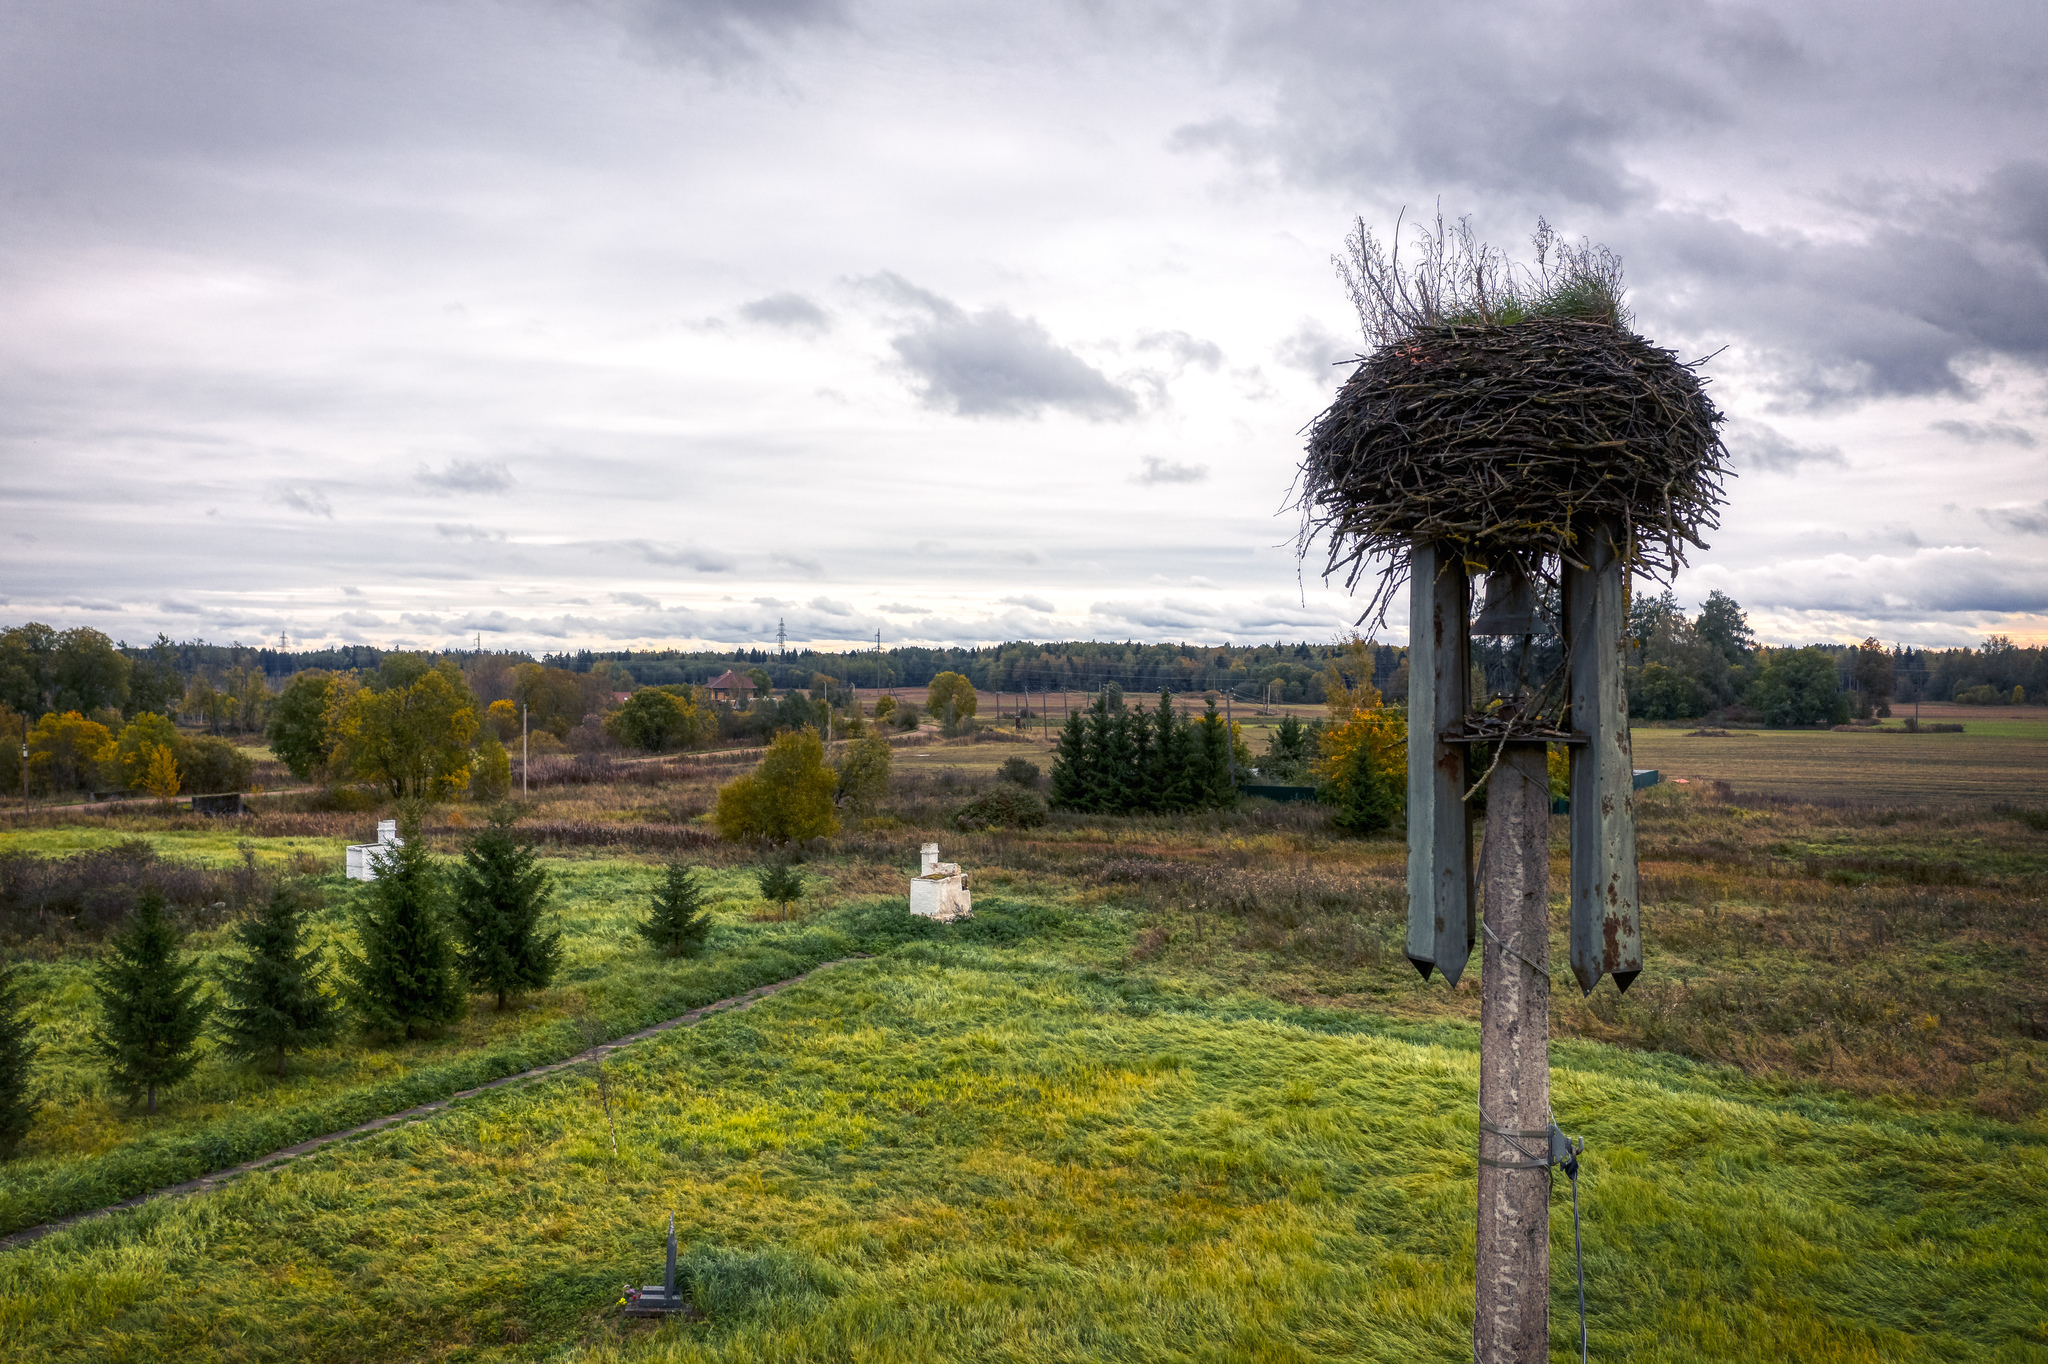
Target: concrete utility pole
column 1511, row 1323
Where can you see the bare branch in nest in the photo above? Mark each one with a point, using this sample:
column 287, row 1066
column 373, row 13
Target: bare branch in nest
column 1451, row 277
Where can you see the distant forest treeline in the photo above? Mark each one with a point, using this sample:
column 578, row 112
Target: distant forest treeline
column 1678, row 666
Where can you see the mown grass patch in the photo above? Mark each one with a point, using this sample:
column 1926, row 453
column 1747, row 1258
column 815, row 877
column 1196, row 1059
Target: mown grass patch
column 960, row 1151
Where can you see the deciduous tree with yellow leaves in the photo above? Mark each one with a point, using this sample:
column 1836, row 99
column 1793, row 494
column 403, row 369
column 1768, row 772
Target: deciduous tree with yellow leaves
column 409, row 728
column 1363, row 766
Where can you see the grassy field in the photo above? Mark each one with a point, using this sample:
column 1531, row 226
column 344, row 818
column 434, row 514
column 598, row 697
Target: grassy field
column 1172, row 1094
column 983, row 1151
column 89, row 1149
column 1992, row 760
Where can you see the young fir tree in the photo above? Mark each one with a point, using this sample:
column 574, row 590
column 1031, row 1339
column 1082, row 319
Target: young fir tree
column 150, row 1011
column 500, row 894
column 404, row 984
column 1072, row 766
column 780, row 883
column 273, row 1004
column 680, row 921
column 18, row 1097
column 1364, row 797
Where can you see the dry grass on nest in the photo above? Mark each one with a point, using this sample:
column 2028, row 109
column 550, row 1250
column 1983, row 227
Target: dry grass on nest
column 1511, row 441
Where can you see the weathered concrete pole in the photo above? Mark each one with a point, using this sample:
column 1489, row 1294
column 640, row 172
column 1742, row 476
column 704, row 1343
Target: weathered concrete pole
column 1512, row 1322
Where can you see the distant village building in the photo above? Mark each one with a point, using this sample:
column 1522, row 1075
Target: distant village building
column 939, row 891
column 731, row 688
column 364, row 859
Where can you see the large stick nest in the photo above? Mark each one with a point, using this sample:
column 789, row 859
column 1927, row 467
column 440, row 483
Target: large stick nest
column 1511, row 441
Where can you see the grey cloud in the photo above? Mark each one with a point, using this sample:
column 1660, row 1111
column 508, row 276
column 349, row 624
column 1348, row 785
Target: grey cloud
column 1029, row 603
column 361, row 620
column 498, row 623
column 772, row 603
column 1159, row 470
column 178, row 608
column 993, row 363
column 466, row 532
column 1532, row 100
column 1978, row 433
column 1760, row 446
column 1316, row 351
column 802, row 563
column 424, row 622
column 719, row 34
column 1891, row 586
column 77, row 604
column 1939, row 278
column 311, row 501
column 682, row 556
column 897, row 608
column 1185, row 349
column 636, row 599
column 2020, row 520
column 830, row 607
column 791, row 312
column 1163, row 617
column 467, row 476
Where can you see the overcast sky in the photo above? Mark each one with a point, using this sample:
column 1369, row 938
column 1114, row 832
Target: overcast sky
column 645, row 323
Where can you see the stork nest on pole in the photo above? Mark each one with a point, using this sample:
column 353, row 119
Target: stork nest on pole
column 1512, row 441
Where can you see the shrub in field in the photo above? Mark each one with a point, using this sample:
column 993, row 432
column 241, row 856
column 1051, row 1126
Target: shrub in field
column 1006, row 807
column 503, row 719
column 1364, row 770
column 1019, row 771
column 65, row 751
column 88, row 893
column 863, row 774
column 150, row 1011
column 788, row 799
column 273, row 1003
column 18, row 1097
column 298, row 722
column 657, row 720
column 408, row 729
column 1797, row 687
column 491, row 775
column 680, row 922
column 950, row 689
column 404, row 984
column 500, row 894
column 127, row 762
column 161, row 777
column 212, row 765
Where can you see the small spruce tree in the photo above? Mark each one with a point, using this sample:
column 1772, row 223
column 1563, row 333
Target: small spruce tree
column 273, row 1004
column 150, row 1011
column 19, row 1099
column 500, row 894
column 780, row 883
column 680, row 921
column 404, row 984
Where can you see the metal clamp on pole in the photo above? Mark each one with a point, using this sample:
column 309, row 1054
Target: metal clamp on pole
column 1561, row 1152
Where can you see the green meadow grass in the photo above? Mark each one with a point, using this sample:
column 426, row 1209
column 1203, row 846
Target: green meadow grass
column 88, row 1148
column 971, row 1147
